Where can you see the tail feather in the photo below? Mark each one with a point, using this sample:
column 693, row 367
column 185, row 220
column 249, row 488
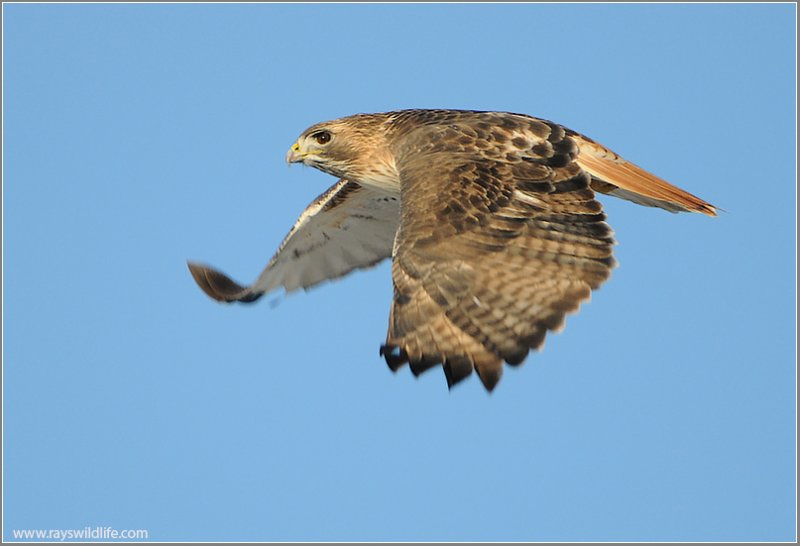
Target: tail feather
column 615, row 176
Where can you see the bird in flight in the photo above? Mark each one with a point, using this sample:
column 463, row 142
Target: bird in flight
column 490, row 220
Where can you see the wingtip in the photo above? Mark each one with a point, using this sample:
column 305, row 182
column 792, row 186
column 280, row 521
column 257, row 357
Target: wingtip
column 456, row 369
column 219, row 286
column 490, row 377
column 394, row 356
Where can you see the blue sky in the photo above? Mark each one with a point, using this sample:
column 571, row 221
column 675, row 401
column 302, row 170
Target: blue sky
column 140, row 136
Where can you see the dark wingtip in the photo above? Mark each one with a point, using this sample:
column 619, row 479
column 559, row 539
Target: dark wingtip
column 456, row 369
column 394, row 356
column 424, row 364
column 219, row 286
column 490, row 377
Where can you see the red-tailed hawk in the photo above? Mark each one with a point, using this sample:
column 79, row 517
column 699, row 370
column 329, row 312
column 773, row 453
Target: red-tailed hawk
column 490, row 219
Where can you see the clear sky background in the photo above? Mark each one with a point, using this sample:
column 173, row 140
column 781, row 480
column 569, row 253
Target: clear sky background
column 140, row 136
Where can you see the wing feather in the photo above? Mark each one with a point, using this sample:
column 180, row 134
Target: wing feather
column 498, row 241
column 348, row 227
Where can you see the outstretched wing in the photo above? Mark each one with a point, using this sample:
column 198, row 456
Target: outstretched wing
column 500, row 237
column 348, row 227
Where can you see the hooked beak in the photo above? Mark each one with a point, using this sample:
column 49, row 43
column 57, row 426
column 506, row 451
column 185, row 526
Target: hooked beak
column 294, row 155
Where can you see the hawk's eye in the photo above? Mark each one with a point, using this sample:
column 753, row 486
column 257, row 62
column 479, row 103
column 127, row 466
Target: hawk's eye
column 322, row 137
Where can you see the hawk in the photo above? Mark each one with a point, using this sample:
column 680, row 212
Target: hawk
column 490, row 220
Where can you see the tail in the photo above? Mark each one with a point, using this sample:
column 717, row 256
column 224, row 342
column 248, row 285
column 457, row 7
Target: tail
column 615, row 176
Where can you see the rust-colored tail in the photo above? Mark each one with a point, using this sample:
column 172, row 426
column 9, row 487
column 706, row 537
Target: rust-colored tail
column 613, row 175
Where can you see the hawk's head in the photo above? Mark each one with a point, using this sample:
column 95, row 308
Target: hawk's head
column 354, row 148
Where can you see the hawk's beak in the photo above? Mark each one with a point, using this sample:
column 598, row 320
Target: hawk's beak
column 294, row 155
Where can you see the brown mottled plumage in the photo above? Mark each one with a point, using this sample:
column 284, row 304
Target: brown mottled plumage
column 489, row 218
